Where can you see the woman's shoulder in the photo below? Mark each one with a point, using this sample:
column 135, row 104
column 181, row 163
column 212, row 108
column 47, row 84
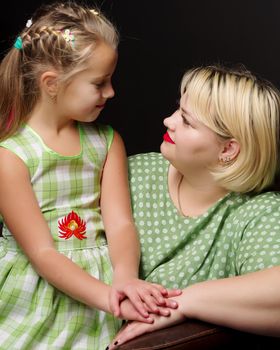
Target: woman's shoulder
column 257, row 230
column 150, row 165
column 147, row 160
column 262, row 201
column 150, row 168
column 256, row 208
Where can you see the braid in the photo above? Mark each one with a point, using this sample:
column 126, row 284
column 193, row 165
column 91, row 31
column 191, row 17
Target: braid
column 45, row 44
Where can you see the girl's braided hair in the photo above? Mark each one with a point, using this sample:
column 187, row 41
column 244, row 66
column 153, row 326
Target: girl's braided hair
column 62, row 36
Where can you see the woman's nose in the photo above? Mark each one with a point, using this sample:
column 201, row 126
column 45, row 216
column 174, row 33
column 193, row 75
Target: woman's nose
column 169, row 122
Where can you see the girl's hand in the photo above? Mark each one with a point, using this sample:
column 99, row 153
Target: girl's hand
column 128, row 312
column 134, row 329
column 145, row 297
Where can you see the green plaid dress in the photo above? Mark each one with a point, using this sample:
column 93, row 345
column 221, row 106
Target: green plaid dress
column 34, row 314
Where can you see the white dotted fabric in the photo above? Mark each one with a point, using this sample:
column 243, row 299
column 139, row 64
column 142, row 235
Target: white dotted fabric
column 239, row 234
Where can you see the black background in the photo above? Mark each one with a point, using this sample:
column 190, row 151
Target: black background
column 160, row 39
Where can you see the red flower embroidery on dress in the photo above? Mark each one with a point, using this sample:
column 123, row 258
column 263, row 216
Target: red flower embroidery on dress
column 71, row 225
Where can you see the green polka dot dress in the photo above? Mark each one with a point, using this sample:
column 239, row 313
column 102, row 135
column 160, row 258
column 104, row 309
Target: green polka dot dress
column 33, row 314
column 237, row 235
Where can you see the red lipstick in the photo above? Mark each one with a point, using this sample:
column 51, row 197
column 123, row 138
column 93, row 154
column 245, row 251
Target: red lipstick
column 167, row 138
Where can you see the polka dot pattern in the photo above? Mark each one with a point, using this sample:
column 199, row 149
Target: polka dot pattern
column 239, row 234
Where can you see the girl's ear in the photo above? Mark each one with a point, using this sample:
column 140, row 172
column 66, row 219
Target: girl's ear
column 49, row 83
column 230, row 151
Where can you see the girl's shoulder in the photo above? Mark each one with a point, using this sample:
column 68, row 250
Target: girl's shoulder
column 93, row 128
column 24, row 143
column 96, row 133
column 21, row 134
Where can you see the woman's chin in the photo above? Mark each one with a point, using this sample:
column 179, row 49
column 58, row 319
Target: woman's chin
column 164, row 149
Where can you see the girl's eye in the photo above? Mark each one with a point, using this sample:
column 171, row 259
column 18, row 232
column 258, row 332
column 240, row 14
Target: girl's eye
column 99, row 85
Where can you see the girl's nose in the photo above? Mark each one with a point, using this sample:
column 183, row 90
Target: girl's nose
column 108, row 91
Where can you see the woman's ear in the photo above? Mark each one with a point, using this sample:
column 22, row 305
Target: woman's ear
column 49, row 83
column 230, row 151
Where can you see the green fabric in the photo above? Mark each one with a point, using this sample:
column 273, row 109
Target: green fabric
column 33, row 314
column 237, row 235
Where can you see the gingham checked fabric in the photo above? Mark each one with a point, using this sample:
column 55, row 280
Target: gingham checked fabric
column 33, row 314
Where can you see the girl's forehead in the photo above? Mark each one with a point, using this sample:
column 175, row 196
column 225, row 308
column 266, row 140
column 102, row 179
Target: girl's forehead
column 103, row 58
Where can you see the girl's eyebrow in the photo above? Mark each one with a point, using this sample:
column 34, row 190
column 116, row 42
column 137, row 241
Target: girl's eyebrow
column 102, row 76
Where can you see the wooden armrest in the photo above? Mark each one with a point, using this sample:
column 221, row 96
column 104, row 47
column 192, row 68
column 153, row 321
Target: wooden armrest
column 196, row 335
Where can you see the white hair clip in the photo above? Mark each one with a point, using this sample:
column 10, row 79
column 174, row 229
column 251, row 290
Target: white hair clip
column 68, row 36
column 96, row 13
column 29, row 23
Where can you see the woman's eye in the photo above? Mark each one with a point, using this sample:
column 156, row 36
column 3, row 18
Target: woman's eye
column 185, row 121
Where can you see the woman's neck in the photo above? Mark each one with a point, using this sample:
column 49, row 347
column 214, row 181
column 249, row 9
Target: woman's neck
column 193, row 196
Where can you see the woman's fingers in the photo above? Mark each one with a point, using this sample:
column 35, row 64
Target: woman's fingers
column 128, row 332
column 172, row 304
column 173, row 293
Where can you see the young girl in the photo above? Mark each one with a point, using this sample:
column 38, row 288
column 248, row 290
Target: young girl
column 58, row 174
column 206, row 227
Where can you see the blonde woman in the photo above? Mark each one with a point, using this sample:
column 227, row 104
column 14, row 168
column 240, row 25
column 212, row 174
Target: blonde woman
column 204, row 224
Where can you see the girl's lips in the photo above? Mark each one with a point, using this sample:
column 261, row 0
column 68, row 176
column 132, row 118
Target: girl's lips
column 100, row 106
column 167, row 138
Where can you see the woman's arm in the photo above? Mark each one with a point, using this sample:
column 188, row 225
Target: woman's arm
column 249, row 303
column 20, row 210
column 123, row 240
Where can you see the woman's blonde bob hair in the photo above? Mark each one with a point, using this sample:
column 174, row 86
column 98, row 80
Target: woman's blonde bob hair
column 236, row 104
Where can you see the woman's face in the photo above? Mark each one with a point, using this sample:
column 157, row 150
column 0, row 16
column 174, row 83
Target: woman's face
column 188, row 143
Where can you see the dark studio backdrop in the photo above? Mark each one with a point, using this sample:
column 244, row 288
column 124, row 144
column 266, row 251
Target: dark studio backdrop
column 160, row 39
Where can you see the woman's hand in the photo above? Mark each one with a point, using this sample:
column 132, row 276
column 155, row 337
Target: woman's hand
column 145, row 297
column 134, row 329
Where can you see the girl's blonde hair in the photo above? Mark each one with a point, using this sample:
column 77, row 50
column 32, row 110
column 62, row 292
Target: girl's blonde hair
column 44, row 46
column 236, row 104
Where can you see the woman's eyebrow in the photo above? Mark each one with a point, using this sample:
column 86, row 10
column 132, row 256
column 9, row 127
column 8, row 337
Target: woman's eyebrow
column 187, row 113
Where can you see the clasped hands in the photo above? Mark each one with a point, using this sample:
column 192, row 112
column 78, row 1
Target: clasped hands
column 142, row 304
column 138, row 300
